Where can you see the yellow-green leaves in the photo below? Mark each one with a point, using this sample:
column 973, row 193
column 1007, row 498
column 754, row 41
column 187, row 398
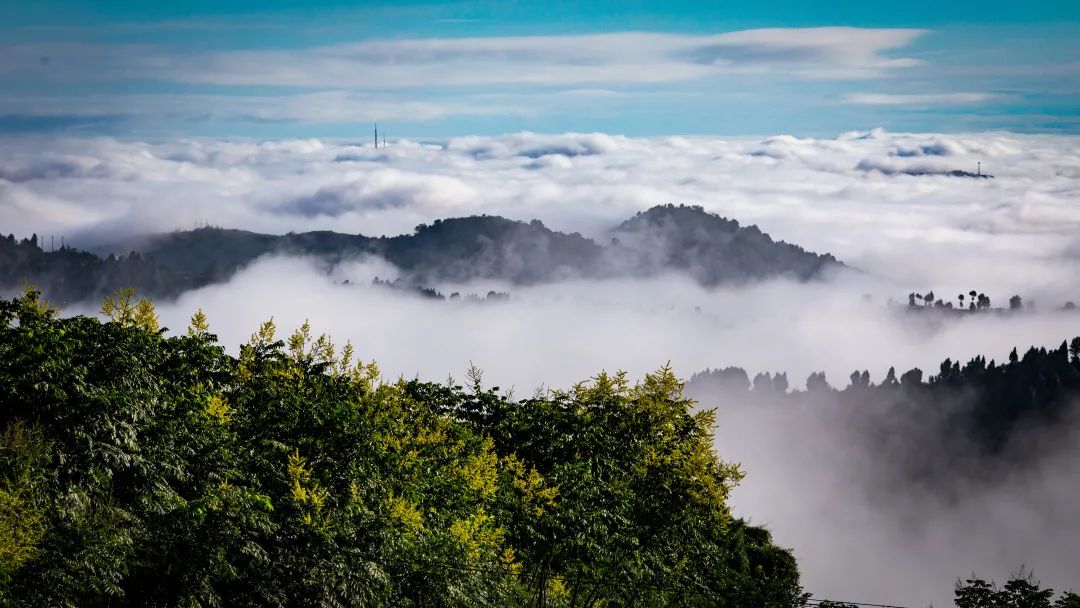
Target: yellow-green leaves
column 306, row 492
column 535, row 495
column 479, row 471
column 217, row 409
column 477, row 535
column 199, row 326
column 364, row 375
column 21, row 513
column 145, row 315
column 120, row 307
column 32, row 304
column 124, row 308
column 21, row 525
column 306, row 351
column 265, row 335
column 603, row 386
column 405, row 513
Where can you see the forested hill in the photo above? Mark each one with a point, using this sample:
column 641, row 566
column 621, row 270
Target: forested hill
column 964, row 419
column 708, row 247
column 681, row 239
column 666, row 238
column 68, row 275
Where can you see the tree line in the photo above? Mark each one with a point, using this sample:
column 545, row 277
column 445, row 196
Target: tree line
column 960, row 420
column 70, row 275
column 976, row 302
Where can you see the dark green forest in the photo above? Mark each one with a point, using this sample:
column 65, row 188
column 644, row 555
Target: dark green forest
column 681, row 239
column 959, row 421
column 68, row 275
column 140, row 469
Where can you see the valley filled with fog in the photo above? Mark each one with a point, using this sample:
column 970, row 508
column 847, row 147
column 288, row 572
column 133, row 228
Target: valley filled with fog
column 849, row 197
column 885, row 205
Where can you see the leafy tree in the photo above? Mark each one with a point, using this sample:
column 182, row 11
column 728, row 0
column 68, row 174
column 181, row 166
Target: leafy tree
column 1021, row 591
column 142, row 469
column 816, row 383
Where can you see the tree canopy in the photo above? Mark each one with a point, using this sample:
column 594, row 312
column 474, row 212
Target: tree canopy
column 138, row 468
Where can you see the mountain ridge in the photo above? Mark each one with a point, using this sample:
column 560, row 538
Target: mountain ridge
column 681, row 239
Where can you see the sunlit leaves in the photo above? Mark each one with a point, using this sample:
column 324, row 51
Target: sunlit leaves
column 199, row 326
column 22, row 521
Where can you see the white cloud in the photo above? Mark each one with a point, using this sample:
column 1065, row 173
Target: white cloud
column 578, row 60
column 324, row 107
column 920, row 99
column 825, row 489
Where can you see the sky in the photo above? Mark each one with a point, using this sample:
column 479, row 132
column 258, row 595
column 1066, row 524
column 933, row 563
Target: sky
column 328, row 68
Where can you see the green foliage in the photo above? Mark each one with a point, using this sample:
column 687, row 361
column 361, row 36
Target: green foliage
column 1021, row 591
column 140, row 469
column 22, row 526
column 68, row 275
column 123, row 308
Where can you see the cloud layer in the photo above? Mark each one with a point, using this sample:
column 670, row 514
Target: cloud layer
column 920, row 99
column 849, row 196
column 615, row 58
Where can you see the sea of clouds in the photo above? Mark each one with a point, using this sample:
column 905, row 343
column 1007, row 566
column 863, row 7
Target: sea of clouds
column 852, row 196
column 848, row 196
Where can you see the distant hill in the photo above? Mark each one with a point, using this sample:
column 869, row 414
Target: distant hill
column 710, row 248
column 488, row 247
column 680, row 239
column 68, row 275
column 969, row 421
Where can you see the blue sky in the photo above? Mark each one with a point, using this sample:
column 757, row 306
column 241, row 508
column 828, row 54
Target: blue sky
column 330, row 68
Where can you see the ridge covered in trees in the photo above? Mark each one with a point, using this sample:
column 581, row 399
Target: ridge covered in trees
column 668, row 238
column 710, row 248
column 976, row 302
column 70, row 275
column 932, row 424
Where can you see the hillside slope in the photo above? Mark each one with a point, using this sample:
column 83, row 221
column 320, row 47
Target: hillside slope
column 665, row 239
